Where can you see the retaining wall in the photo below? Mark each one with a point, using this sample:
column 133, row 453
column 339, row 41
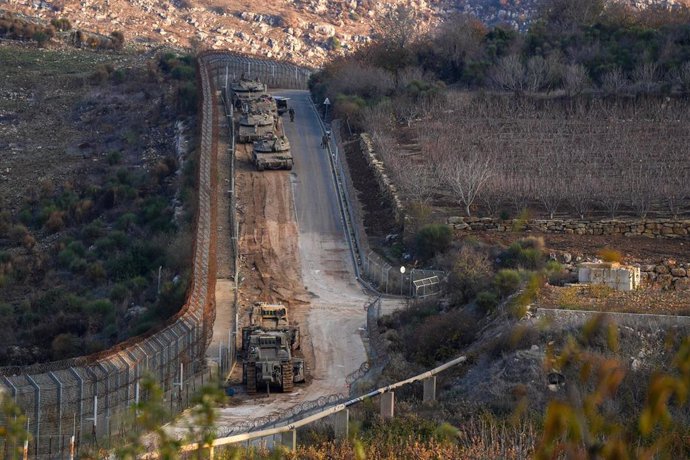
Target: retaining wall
column 656, row 228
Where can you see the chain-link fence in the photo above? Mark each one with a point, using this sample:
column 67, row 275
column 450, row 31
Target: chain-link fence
column 275, row 74
column 87, row 397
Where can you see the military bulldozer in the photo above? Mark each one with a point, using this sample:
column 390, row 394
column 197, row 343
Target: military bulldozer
column 270, row 362
column 272, row 153
column 269, row 344
column 255, row 126
column 270, row 317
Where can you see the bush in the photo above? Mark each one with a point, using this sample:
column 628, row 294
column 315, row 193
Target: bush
column 433, row 239
column 118, row 39
column 95, row 271
column 487, row 301
column 440, row 337
column 62, row 24
column 610, row 255
column 64, row 346
column 41, row 38
column 506, row 282
column 471, row 272
column 526, row 253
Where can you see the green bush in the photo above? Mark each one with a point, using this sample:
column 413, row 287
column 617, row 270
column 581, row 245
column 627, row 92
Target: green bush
column 114, row 158
column 78, row 265
column 507, row 281
column 66, row 257
column 64, row 346
column 95, row 271
column 433, row 239
column 119, row 293
column 101, row 307
column 487, row 301
column 526, row 253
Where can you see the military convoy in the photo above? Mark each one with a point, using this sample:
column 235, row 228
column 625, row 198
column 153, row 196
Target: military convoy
column 269, row 344
column 260, row 123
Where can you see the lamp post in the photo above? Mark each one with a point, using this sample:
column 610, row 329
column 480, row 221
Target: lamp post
column 402, row 278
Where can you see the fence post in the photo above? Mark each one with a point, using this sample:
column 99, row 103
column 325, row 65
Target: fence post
column 387, row 404
column 54, row 378
column 429, row 389
column 289, row 439
column 37, row 409
column 81, row 400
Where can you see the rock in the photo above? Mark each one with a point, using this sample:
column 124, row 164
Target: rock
column 665, row 280
column 324, row 29
column 682, row 284
column 661, row 269
column 567, row 257
column 678, row 272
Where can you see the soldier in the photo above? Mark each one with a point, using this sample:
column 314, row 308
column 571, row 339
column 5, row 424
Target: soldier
column 324, row 141
column 291, row 111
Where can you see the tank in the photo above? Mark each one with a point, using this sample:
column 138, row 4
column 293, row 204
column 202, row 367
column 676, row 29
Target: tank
column 255, row 126
column 272, row 153
column 246, row 89
column 269, row 362
column 265, row 103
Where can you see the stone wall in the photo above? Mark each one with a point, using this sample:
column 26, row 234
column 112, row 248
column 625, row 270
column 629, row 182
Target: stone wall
column 657, row 228
column 667, row 274
column 386, row 185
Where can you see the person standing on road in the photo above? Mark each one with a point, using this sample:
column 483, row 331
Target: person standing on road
column 324, row 141
column 291, row 111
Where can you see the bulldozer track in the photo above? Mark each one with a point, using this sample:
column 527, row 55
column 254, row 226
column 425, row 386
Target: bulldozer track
column 251, row 378
column 286, row 371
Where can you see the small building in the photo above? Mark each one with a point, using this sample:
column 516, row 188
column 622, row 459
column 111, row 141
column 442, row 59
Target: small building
column 611, row 274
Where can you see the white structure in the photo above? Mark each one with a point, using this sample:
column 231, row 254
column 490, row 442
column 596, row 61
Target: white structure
column 612, row 274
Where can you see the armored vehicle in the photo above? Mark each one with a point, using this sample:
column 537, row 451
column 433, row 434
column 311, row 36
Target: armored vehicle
column 282, row 104
column 246, row 89
column 269, row 362
column 255, row 126
column 272, row 153
column 270, row 317
column 262, row 104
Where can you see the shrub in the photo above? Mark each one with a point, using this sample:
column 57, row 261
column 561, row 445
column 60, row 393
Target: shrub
column 66, row 257
column 487, row 301
column 471, row 271
column 610, row 255
column 61, row 24
column 526, row 253
column 17, row 233
column 95, row 271
column 101, row 307
column 118, row 39
column 41, row 37
column 119, row 293
column 64, row 345
column 433, row 239
column 114, row 158
column 78, row 265
column 56, row 221
column 440, row 337
column 519, row 305
column 507, row 281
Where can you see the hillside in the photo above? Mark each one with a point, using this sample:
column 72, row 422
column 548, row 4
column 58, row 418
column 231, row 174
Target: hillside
column 306, row 32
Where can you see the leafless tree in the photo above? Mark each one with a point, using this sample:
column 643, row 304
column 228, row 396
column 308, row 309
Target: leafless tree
column 509, row 74
column 646, row 76
column 536, row 74
column 575, row 79
column 466, row 174
column 674, row 187
column 398, row 26
column 615, row 81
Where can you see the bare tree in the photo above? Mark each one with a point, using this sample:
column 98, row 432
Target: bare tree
column 398, row 26
column 575, row 79
column 509, row 74
column 536, row 74
column 615, row 81
column 467, row 174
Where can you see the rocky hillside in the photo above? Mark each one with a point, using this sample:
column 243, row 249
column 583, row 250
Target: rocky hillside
column 303, row 31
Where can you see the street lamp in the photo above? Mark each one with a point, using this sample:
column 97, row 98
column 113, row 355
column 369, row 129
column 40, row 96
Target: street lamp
column 402, row 278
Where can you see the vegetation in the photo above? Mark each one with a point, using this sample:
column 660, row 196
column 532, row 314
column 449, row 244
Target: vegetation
column 92, row 248
column 584, row 103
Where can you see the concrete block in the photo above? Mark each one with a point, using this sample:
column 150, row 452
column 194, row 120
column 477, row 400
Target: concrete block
column 341, row 422
column 388, row 404
column 429, row 389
